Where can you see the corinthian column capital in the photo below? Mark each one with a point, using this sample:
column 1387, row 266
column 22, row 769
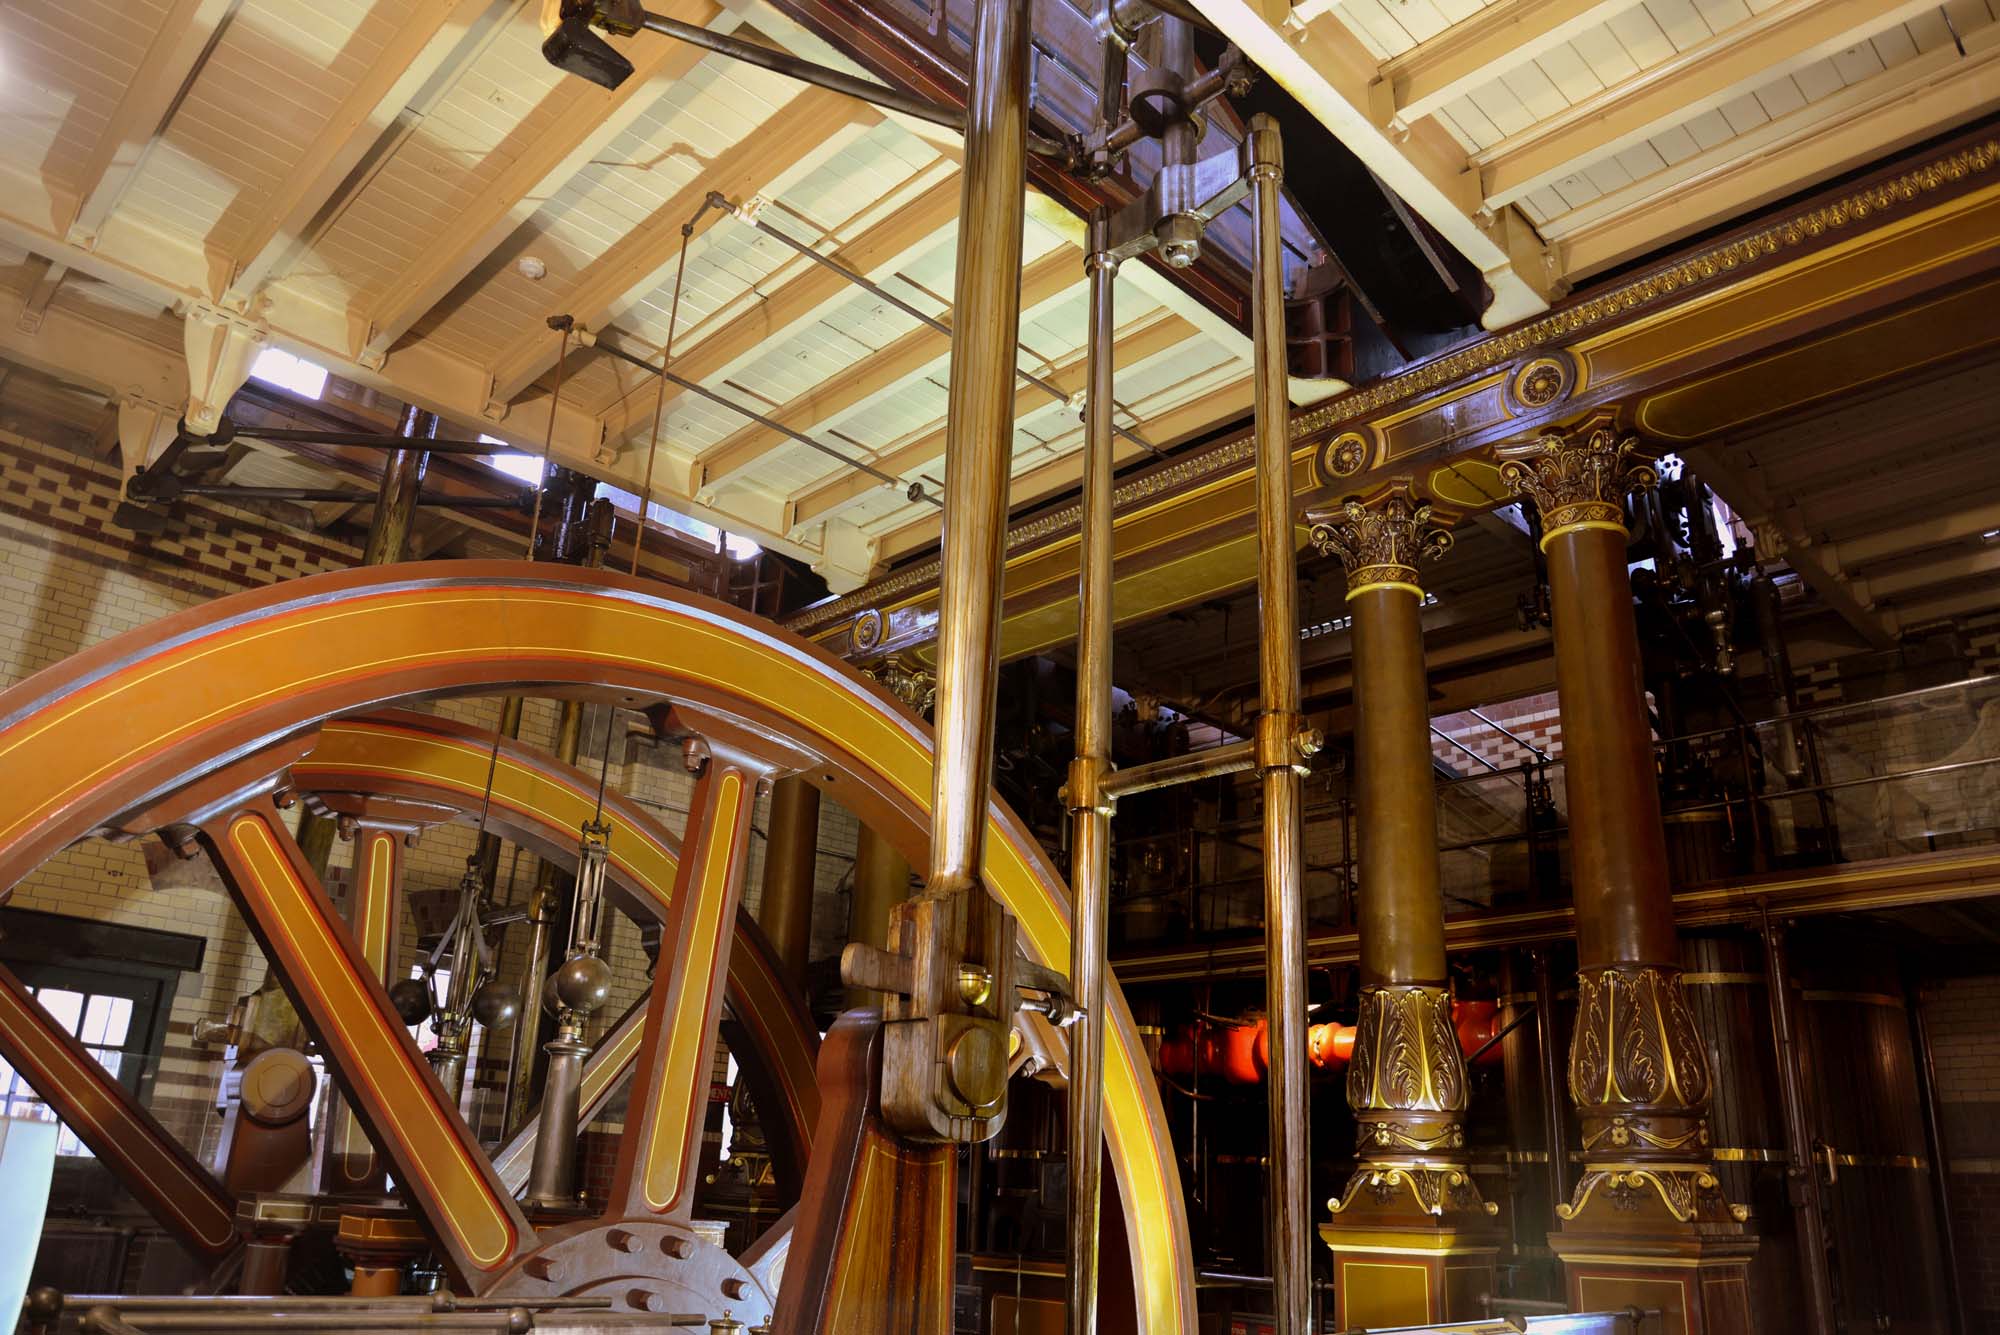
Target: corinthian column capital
column 1381, row 541
column 1577, row 479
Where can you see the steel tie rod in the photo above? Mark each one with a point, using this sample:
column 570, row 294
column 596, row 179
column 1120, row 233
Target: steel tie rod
column 869, row 285
column 695, row 387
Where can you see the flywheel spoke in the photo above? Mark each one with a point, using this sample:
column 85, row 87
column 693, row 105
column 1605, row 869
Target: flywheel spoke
column 660, row 1153
column 437, row 1161
column 148, row 1161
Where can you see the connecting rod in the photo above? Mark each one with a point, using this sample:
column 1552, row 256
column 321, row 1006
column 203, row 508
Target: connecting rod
column 1278, row 757
column 980, row 431
column 1090, row 808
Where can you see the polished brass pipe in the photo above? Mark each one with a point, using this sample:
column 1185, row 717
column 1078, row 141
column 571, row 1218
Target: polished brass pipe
column 1289, row 1157
column 979, row 431
column 881, row 881
column 1213, row 763
column 791, row 850
column 1090, row 810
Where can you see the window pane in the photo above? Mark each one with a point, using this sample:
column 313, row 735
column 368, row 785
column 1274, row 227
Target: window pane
column 106, row 1020
column 108, row 1058
column 65, row 1006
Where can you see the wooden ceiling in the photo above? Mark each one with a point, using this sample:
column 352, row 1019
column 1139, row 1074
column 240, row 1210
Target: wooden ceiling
column 405, row 192
column 1551, row 140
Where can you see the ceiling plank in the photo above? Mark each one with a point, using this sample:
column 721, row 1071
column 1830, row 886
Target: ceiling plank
column 1771, row 44
column 1047, row 278
column 591, row 118
column 1498, row 38
column 799, row 300
column 172, row 58
column 810, row 128
column 412, row 56
column 1225, row 403
column 1151, row 335
column 1904, row 104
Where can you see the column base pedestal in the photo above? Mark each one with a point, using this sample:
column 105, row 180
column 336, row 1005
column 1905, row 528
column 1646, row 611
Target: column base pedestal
column 1659, row 1240
column 1411, row 1247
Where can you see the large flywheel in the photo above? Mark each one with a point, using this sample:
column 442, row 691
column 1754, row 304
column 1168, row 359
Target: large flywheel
column 191, row 725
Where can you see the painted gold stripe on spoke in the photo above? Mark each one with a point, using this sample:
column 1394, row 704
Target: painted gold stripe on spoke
column 694, row 986
column 216, row 1229
column 435, row 1150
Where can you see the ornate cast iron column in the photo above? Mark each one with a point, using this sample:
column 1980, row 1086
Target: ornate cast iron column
column 1648, row 1224
column 1411, row 1218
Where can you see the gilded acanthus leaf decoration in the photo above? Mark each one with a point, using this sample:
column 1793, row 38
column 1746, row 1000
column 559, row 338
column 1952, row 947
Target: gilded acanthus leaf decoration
column 1380, row 540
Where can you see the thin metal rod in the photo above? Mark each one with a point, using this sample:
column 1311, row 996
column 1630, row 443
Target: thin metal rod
column 1190, row 768
column 1436, row 731
column 1289, row 1156
column 805, row 71
column 1090, row 811
column 660, row 399
column 369, row 440
column 223, row 491
column 1926, row 1068
column 1802, row 1172
column 916, row 313
column 694, row 387
column 1527, row 1014
column 565, row 324
column 979, row 431
column 1509, row 735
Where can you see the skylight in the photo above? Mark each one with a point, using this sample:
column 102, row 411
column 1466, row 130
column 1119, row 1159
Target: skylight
column 275, row 366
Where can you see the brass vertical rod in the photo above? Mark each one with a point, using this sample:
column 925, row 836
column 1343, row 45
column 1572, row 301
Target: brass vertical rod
column 979, row 434
column 1800, row 1170
column 1289, row 1158
column 791, row 847
column 1090, row 809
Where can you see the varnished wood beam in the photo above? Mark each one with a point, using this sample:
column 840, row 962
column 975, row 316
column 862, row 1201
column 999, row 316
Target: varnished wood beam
column 1045, row 279
column 1902, row 105
column 1498, row 38
column 414, row 53
column 805, row 131
column 590, row 118
column 1153, row 334
column 701, row 353
column 1225, row 403
column 1769, row 45
column 172, row 58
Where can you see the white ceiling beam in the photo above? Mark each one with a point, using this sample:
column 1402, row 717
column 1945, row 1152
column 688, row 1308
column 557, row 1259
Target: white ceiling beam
column 1932, row 530
column 798, row 295
column 1472, row 53
column 799, row 136
column 591, row 117
column 1334, row 77
column 49, row 278
column 1043, row 280
column 1224, row 403
column 413, row 55
column 1152, row 334
column 1923, row 96
column 1769, row 45
column 172, row 58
